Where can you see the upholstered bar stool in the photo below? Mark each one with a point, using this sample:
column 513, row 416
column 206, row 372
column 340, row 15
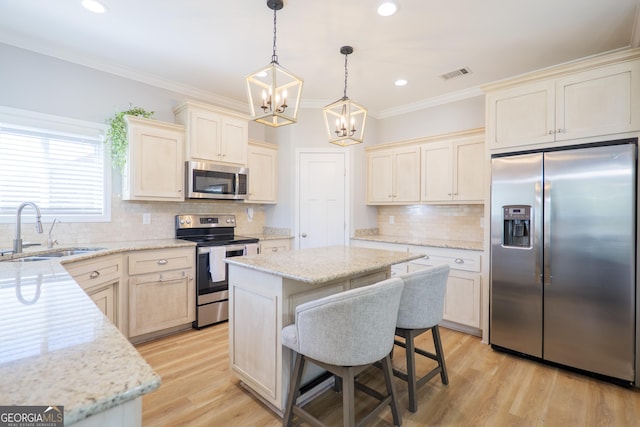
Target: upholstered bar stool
column 344, row 333
column 421, row 309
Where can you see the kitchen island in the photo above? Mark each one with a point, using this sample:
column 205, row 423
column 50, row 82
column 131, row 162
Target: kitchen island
column 264, row 291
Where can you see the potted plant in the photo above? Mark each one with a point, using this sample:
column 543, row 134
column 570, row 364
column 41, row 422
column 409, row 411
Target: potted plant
column 117, row 134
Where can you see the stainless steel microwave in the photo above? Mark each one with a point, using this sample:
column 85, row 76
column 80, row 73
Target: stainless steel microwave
column 212, row 181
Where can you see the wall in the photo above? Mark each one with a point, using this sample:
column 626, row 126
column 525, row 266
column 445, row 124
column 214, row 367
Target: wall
column 445, row 118
column 439, row 222
column 126, row 223
column 310, row 132
column 44, row 84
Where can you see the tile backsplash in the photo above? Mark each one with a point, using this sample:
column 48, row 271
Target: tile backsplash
column 126, row 223
column 446, row 222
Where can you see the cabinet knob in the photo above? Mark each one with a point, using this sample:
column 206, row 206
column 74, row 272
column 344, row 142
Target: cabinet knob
column 163, row 262
column 551, row 132
column 459, row 261
column 94, row 275
column 560, row 130
column 274, row 249
column 427, row 257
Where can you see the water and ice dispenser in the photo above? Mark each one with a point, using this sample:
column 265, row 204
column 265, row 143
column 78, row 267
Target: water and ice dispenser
column 517, row 226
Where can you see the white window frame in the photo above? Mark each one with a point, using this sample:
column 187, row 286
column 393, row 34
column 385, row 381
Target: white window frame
column 61, row 126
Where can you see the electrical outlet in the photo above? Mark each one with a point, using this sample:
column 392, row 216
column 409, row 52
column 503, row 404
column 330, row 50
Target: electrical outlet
column 392, row 219
column 146, row 218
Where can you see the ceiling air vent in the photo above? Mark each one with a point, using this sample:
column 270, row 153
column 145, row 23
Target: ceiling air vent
column 456, row 73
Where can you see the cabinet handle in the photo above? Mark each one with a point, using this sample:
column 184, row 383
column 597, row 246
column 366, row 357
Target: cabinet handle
column 459, row 261
column 94, row 274
column 163, row 262
column 274, row 249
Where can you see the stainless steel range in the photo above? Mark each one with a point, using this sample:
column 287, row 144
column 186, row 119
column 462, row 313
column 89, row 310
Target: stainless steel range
column 216, row 241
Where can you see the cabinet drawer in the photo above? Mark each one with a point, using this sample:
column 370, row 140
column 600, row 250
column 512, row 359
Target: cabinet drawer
column 161, row 260
column 456, row 260
column 95, row 272
column 271, row 246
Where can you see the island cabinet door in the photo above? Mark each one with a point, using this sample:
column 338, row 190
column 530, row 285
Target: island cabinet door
column 255, row 349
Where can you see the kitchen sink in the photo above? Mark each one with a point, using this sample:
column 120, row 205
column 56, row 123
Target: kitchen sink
column 56, row 254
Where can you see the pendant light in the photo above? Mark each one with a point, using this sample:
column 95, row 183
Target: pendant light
column 345, row 119
column 274, row 93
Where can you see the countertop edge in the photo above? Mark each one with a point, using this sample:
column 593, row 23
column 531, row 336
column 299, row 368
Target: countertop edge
column 436, row 243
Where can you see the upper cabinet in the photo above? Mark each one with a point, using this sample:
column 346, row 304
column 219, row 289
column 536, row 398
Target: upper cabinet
column 263, row 172
column 155, row 164
column 441, row 169
column 393, row 175
column 453, row 170
column 213, row 134
column 587, row 99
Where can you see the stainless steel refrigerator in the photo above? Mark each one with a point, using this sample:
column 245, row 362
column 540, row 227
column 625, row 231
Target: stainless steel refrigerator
column 563, row 256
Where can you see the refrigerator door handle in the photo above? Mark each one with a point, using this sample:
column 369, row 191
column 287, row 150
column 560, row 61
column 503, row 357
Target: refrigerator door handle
column 547, row 234
column 536, row 233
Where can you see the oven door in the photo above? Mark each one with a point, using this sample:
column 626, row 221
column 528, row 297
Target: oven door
column 210, row 283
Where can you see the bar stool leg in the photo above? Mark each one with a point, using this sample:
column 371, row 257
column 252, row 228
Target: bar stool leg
column 437, row 343
column 391, row 390
column 294, row 389
column 412, row 381
column 348, row 397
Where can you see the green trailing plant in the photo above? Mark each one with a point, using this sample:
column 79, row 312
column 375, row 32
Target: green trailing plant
column 117, row 134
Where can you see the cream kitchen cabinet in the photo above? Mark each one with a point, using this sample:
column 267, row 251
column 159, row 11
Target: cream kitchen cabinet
column 213, row 134
column 571, row 102
column 161, row 291
column 101, row 279
column 155, row 167
column 393, row 175
column 275, row 245
column 453, row 171
column 462, row 299
column 462, row 307
column 263, row 172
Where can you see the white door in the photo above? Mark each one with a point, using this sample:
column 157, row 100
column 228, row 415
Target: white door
column 322, row 199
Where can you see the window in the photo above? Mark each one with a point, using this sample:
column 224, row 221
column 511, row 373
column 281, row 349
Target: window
column 65, row 174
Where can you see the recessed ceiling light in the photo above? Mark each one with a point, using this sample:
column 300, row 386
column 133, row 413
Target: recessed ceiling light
column 387, row 8
column 94, row 6
column 400, row 82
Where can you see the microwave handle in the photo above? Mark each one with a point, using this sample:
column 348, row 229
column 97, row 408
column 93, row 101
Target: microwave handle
column 237, row 186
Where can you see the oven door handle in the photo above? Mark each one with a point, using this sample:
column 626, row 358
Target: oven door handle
column 228, row 248
column 231, row 248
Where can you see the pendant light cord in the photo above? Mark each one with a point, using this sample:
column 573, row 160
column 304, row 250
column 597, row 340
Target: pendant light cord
column 274, row 57
column 345, row 76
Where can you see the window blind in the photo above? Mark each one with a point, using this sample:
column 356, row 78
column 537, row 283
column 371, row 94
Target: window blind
column 64, row 175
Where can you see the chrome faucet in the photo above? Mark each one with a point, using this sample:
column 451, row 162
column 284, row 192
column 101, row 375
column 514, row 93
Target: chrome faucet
column 17, row 243
column 50, row 241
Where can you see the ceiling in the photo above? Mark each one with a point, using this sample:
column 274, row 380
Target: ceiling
column 206, row 48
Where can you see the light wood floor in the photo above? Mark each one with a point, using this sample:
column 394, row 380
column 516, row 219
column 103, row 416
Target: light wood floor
column 486, row 388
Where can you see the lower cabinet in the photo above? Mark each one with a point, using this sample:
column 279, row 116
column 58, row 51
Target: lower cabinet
column 275, row 245
column 161, row 291
column 101, row 279
column 462, row 305
column 144, row 293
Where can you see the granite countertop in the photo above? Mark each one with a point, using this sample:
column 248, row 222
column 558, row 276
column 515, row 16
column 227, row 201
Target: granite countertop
column 318, row 265
column 438, row 243
column 57, row 346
